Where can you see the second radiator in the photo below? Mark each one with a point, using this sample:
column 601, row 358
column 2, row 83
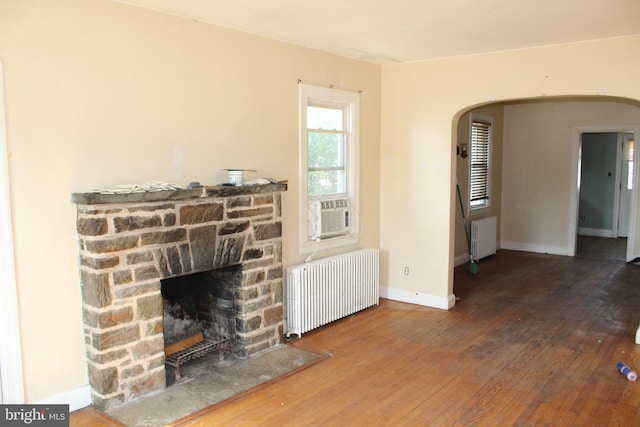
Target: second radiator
column 483, row 237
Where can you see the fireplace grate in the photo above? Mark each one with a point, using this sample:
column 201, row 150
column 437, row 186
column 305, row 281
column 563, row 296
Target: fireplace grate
column 195, row 352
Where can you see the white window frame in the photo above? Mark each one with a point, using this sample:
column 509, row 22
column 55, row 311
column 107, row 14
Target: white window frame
column 11, row 382
column 486, row 204
column 349, row 101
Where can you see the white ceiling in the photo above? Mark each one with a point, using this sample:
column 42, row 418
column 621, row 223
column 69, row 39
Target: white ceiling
column 384, row 31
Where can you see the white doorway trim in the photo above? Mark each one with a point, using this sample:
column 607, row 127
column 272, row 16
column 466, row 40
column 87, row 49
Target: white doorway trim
column 624, row 207
column 575, row 185
column 12, row 391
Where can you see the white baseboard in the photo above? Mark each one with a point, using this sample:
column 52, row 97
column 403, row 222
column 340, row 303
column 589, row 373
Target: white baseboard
column 76, row 399
column 410, row 297
column 541, row 249
column 461, row 259
column 595, row 232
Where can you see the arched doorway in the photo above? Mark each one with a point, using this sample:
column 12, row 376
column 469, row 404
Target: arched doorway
column 538, row 169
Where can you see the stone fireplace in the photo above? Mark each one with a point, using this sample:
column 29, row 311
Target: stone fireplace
column 131, row 242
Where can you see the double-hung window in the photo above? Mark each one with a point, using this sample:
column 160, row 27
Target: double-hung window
column 326, row 149
column 480, row 162
column 328, row 167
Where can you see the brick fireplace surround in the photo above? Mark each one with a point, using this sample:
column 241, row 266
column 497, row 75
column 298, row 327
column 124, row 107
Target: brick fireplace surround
column 129, row 242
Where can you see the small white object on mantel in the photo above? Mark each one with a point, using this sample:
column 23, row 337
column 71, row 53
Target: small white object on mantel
column 236, row 176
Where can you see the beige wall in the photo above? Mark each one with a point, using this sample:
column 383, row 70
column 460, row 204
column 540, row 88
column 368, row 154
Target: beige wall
column 99, row 93
column 421, row 104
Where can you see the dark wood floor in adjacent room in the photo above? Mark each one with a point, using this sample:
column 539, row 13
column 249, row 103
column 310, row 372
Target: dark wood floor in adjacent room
column 532, row 340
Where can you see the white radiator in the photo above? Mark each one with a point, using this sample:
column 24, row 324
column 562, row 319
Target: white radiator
column 483, row 237
column 328, row 289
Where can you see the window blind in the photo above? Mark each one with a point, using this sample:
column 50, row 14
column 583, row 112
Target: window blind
column 480, row 145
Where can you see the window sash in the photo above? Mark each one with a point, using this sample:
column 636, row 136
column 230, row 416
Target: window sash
column 328, row 176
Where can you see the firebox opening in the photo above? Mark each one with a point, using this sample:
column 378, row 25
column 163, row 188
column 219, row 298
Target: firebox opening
column 199, row 310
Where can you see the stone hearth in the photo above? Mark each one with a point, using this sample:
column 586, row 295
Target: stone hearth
column 130, row 242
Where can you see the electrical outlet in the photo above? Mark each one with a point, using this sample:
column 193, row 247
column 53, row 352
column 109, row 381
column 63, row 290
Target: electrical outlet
column 406, row 271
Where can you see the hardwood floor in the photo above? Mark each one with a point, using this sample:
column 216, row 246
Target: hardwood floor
column 613, row 249
column 532, row 340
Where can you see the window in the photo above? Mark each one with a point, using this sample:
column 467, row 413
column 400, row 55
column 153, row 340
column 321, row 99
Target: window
column 629, row 156
column 326, row 145
column 328, row 167
column 479, row 170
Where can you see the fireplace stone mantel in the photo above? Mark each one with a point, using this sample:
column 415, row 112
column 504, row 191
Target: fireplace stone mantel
column 97, row 198
column 129, row 242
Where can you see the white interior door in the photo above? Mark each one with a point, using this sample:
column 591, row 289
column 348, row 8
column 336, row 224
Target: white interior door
column 626, row 183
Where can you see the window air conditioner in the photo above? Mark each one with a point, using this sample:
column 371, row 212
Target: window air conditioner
column 329, row 218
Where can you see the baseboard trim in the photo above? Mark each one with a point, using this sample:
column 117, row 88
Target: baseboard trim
column 417, row 298
column 541, row 249
column 461, row 259
column 76, row 399
column 595, row 232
